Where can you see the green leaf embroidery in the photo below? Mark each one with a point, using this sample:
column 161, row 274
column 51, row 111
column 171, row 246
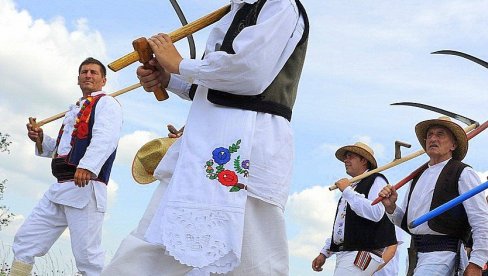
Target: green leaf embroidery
column 234, row 189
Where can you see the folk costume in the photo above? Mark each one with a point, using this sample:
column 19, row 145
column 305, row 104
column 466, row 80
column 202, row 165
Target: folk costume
column 224, row 183
column 436, row 245
column 356, row 219
column 88, row 139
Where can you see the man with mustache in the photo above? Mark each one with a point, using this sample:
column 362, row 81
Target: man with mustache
column 436, row 246
column 82, row 158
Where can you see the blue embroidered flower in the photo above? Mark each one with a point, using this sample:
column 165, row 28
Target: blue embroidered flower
column 221, row 155
column 245, row 164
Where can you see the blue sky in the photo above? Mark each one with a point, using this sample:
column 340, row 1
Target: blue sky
column 362, row 56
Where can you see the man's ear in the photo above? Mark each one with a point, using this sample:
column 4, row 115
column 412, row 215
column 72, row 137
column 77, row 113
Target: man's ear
column 454, row 146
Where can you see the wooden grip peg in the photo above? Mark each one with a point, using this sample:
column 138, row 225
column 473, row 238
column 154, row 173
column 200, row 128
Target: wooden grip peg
column 141, row 46
column 32, row 121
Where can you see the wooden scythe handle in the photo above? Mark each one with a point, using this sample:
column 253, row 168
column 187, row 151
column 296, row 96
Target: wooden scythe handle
column 393, row 163
column 141, row 46
column 32, row 121
column 176, row 35
column 114, row 94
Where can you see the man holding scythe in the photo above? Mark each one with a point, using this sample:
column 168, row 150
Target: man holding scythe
column 436, row 247
column 356, row 219
column 82, row 158
column 224, row 183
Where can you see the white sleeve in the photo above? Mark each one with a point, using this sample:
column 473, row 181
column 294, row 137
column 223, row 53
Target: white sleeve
column 260, row 50
column 326, row 249
column 477, row 210
column 48, row 146
column 105, row 134
column 362, row 205
column 178, row 86
column 397, row 216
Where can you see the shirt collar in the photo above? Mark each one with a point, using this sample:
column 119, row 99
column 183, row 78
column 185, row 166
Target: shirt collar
column 440, row 164
column 93, row 94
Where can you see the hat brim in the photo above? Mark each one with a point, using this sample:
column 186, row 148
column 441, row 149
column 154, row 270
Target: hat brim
column 461, row 139
column 341, row 152
column 139, row 174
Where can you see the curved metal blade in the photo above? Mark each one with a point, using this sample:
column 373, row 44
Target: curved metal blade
column 181, row 16
column 453, row 115
column 461, row 54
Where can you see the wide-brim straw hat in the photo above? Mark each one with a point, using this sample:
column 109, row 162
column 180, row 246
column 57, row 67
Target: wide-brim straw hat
column 459, row 134
column 148, row 157
column 358, row 148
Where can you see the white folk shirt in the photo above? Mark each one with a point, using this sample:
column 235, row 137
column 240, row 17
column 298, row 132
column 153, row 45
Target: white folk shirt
column 199, row 221
column 249, row 72
column 361, row 206
column 105, row 136
column 420, row 201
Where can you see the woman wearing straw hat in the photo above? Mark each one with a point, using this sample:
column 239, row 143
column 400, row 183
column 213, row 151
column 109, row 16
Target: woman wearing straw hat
column 356, row 219
column 436, row 245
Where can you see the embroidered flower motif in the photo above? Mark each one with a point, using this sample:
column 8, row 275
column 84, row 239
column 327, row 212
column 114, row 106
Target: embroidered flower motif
column 221, row 155
column 245, row 164
column 81, row 127
column 227, row 177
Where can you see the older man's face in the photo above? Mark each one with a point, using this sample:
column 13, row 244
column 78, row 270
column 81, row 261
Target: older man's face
column 439, row 143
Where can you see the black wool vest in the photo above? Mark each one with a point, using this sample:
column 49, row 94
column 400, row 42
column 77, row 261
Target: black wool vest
column 279, row 97
column 453, row 222
column 361, row 233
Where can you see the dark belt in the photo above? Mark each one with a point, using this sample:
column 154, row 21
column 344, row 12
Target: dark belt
column 377, row 252
column 62, row 170
column 431, row 243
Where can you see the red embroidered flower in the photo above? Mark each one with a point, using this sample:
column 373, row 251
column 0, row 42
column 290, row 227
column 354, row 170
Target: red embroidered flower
column 82, row 119
column 82, row 130
column 228, row 178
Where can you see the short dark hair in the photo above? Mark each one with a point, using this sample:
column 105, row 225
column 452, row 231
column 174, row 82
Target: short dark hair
column 90, row 60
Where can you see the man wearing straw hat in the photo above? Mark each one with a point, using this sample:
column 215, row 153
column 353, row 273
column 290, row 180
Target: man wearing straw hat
column 82, row 158
column 356, row 219
column 436, row 247
column 224, row 183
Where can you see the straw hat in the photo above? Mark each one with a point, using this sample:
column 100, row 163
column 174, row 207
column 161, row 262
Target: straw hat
column 461, row 139
column 358, row 148
column 147, row 159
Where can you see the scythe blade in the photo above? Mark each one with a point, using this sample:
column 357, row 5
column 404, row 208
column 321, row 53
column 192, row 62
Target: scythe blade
column 453, row 115
column 464, row 55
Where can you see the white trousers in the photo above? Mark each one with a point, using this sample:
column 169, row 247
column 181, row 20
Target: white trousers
column 264, row 249
column 345, row 265
column 48, row 221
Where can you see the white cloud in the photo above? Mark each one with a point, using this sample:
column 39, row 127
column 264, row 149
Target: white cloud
column 130, row 143
column 312, row 212
column 42, row 59
column 112, row 189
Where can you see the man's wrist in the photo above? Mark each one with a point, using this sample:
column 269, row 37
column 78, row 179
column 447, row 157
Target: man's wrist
column 390, row 210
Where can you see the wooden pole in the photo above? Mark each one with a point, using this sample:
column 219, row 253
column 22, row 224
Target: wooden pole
column 411, row 176
column 393, row 163
column 60, row 115
column 176, row 35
